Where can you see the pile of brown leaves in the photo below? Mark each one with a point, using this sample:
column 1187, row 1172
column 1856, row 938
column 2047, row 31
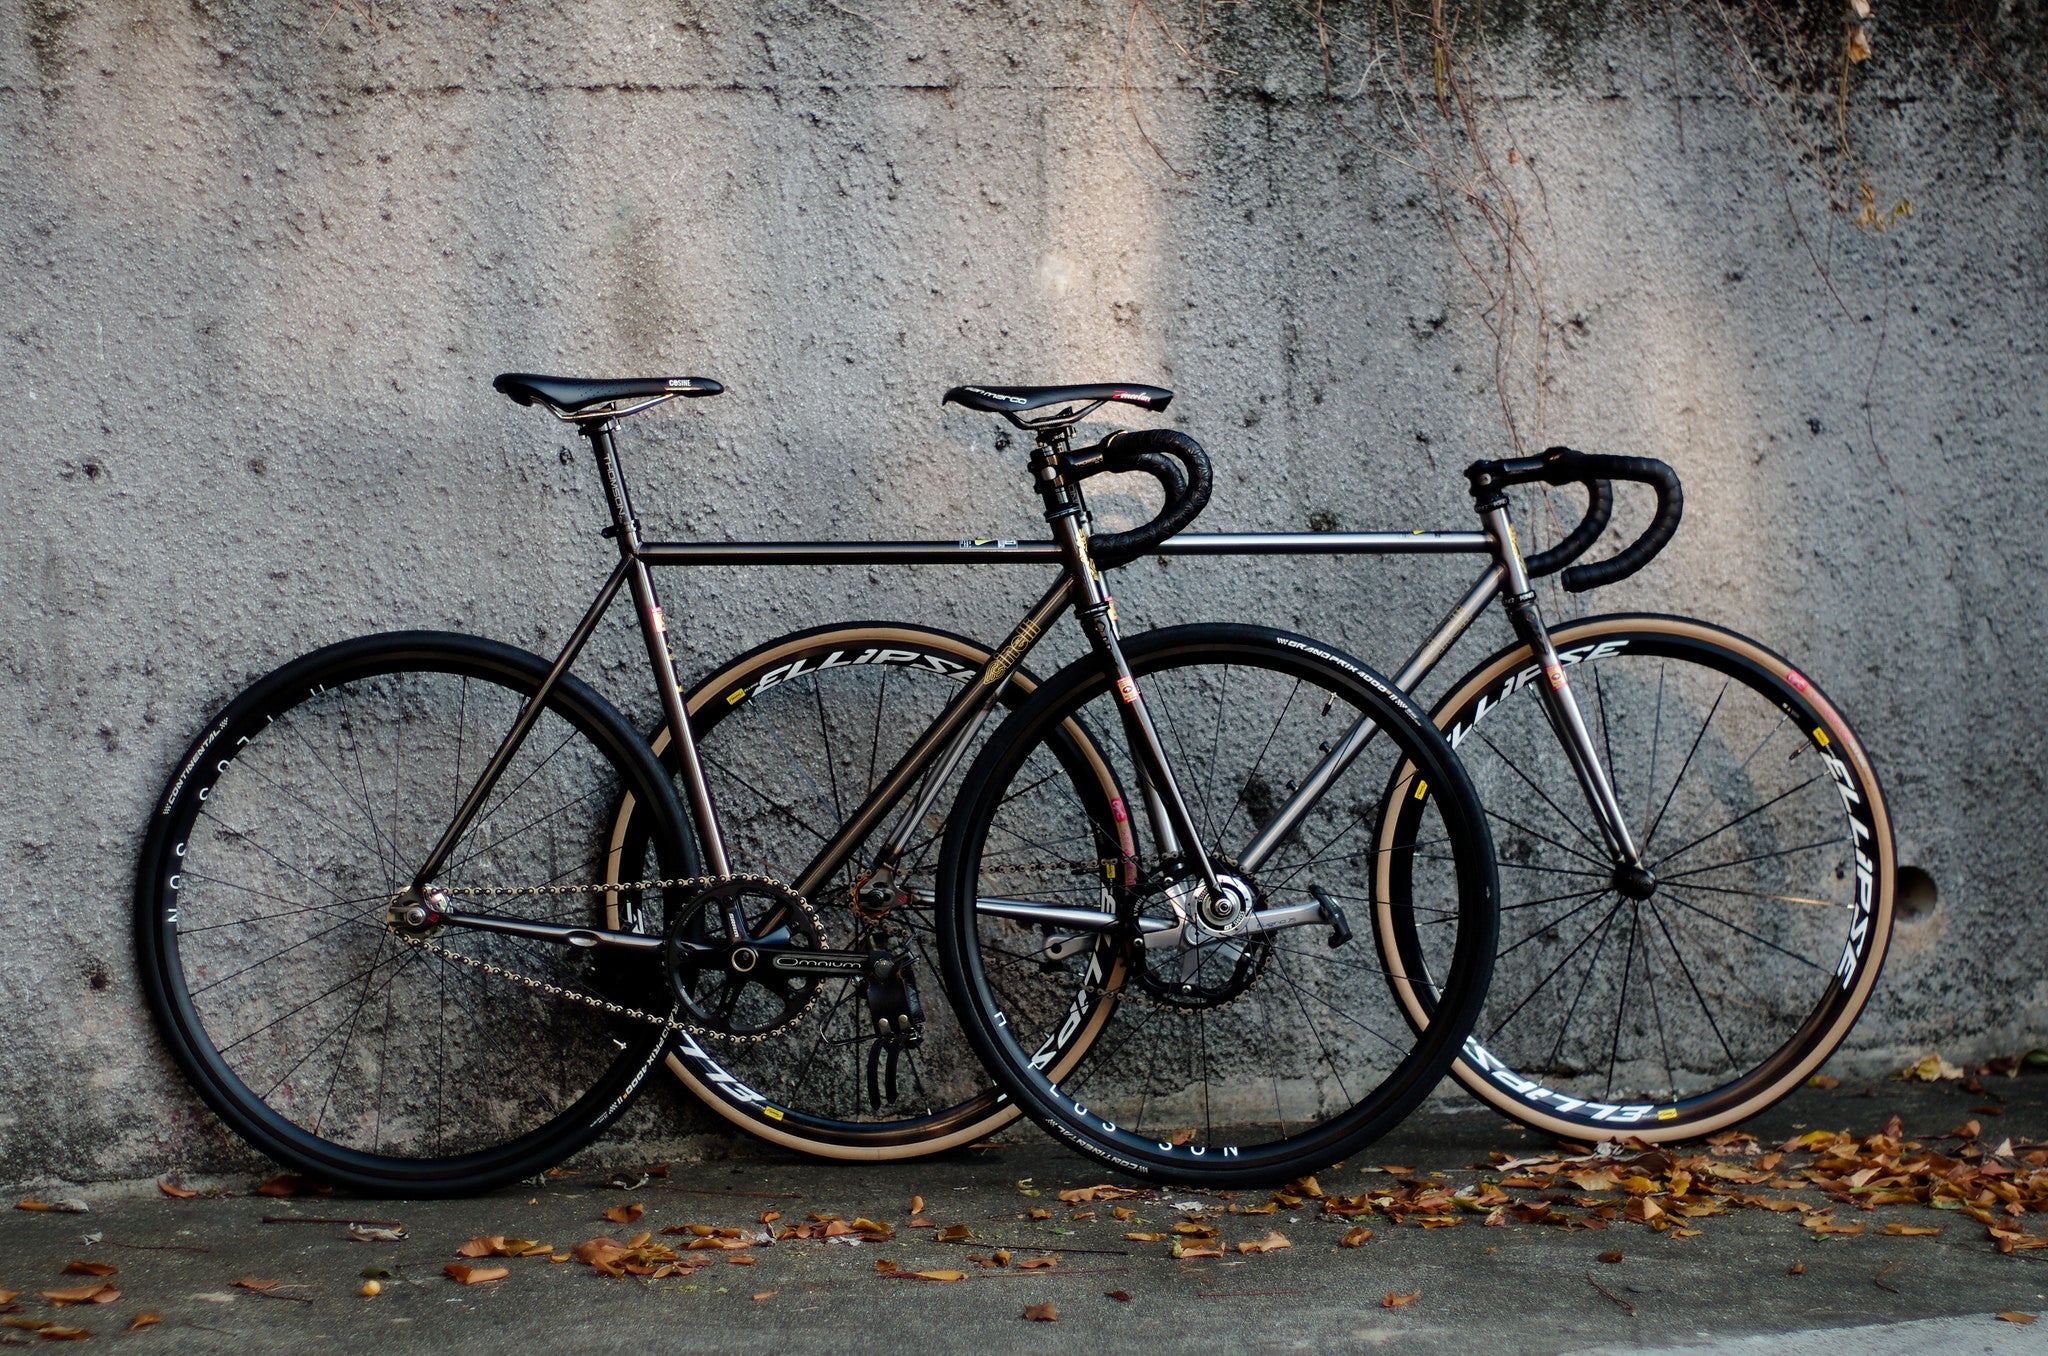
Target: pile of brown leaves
column 1671, row 1189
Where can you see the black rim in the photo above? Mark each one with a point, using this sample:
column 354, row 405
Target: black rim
column 1140, row 1150
column 213, row 758
column 769, row 1088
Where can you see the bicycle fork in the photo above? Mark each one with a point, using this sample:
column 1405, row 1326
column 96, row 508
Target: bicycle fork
column 1560, row 705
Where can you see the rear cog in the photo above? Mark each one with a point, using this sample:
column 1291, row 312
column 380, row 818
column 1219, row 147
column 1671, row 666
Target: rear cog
column 722, row 980
column 1215, row 962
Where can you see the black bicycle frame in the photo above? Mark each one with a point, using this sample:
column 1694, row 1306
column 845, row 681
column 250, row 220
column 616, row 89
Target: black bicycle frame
column 938, row 750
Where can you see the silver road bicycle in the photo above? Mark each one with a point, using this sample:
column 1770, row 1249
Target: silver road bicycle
column 420, row 912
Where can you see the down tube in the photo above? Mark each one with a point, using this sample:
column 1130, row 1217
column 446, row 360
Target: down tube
column 1418, row 667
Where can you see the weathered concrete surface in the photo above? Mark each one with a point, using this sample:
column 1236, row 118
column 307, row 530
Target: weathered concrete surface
column 261, row 261
column 1517, row 1288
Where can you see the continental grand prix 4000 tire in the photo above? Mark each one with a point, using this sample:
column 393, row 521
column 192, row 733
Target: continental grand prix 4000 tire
column 793, row 735
column 301, row 1015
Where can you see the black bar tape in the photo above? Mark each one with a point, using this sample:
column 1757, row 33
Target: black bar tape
column 1170, row 457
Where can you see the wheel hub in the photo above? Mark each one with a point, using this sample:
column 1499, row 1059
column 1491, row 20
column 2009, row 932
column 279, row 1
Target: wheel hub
column 1635, row 882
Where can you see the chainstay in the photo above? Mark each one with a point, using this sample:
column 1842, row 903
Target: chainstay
column 605, row 1005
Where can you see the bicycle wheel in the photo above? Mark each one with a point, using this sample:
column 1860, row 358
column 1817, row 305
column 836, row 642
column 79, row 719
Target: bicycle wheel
column 793, row 735
column 1757, row 812
column 1255, row 1044
column 302, row 1016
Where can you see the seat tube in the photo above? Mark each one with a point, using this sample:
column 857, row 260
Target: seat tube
column 1555, row 692
column 1097, row 613
column 654, row 629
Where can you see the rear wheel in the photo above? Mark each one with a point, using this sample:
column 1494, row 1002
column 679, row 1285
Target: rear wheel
column 793, row 735
column 287, row 995
column 1759, row 816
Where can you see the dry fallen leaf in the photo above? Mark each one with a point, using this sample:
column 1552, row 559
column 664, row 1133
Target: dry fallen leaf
column 1040, row 1212
column 1272, row 1242
column 469, row 1275
column 54, row 1333
column 103, row 1293
column 371, row 1289
column 1120, row 1296
column 1824, row 1081
column 1123, row 1212
column 1144, row 1238
column 1821, row 1224
column 917, row 1205
column 2014, row 1316
column 740, row 1261
column 1033, row 1263
column 1354, row 1237
column 1608, row 1257
column 763, row 1295
column 941, row 1275
column 176, row 1193
column 625, row 1214
column 287, row 1184
column 1796, row 1269
column 1042, row 1313
column 90, row 1269
column 1911, row 1230
column 148, row 1318
column 1396, row 1301
column 1932, row 1069
column 770, row 1216
column 955, row 1233
column 1001, row 1257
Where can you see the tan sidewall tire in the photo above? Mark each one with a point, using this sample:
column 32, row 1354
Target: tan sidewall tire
column 716, row 688
column 1851, row 752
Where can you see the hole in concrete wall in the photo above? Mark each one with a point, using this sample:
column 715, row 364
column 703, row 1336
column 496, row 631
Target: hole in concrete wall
column 1915, row 896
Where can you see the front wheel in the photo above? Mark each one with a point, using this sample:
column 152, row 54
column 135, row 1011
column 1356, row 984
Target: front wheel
column 1258, row 1041
column 1691, row 1007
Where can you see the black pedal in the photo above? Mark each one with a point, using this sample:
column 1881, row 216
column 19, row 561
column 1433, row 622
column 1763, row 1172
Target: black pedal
column 1333, row 914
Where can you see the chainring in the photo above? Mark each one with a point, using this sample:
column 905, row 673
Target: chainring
column 1212, row 971
column 718, row 998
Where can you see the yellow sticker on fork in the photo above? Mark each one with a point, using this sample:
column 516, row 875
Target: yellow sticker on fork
column 1127, row 689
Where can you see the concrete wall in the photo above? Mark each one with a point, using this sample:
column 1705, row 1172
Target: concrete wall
column 259, row 260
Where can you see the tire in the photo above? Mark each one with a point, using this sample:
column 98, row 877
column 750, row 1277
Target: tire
column 1213, row 1068
column 784, row 775
column 1760, row 814
column 334, row 776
